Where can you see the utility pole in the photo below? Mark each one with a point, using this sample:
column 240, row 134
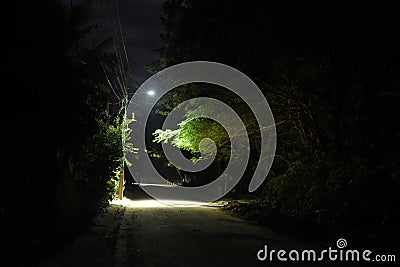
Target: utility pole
column 121, row 88
column 121, row 181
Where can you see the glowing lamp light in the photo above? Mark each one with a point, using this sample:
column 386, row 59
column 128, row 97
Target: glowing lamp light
column 151, row 92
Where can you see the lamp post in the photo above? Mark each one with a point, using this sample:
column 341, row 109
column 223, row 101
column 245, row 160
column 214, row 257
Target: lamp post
column 121, row 182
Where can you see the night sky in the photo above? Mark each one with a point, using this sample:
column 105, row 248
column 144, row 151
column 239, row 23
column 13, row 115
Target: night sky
column 141, row 26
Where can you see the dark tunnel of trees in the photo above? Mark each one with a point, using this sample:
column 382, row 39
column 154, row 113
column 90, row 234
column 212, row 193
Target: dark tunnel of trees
column 330, row 73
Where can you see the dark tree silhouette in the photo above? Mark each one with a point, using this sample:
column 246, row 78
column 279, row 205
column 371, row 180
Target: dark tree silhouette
column 330, row 72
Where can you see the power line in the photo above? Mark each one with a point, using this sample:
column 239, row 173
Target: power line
column 122, row 36
column 118, row 71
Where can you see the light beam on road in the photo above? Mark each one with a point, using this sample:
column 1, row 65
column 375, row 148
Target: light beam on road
column 152, row 203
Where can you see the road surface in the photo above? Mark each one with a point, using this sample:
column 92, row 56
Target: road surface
column 145, row 233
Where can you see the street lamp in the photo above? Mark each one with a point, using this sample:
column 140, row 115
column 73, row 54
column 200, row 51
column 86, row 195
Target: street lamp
column 149, row 93
column 121, row 177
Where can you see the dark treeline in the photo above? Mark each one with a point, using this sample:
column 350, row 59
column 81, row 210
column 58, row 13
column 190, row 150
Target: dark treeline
column 61, row 142
column 330, row 72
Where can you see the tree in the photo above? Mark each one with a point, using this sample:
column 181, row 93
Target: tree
column 331, row 76
column 64, row 142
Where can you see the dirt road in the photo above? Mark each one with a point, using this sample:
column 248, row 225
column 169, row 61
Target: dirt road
column 145, row 233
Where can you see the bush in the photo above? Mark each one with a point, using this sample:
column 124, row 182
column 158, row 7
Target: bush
column 329, row 196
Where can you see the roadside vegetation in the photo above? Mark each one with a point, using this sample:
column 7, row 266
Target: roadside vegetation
column 62, row 135
column 333, row 87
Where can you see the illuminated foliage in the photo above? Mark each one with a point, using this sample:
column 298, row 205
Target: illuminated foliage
column 332, row 81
